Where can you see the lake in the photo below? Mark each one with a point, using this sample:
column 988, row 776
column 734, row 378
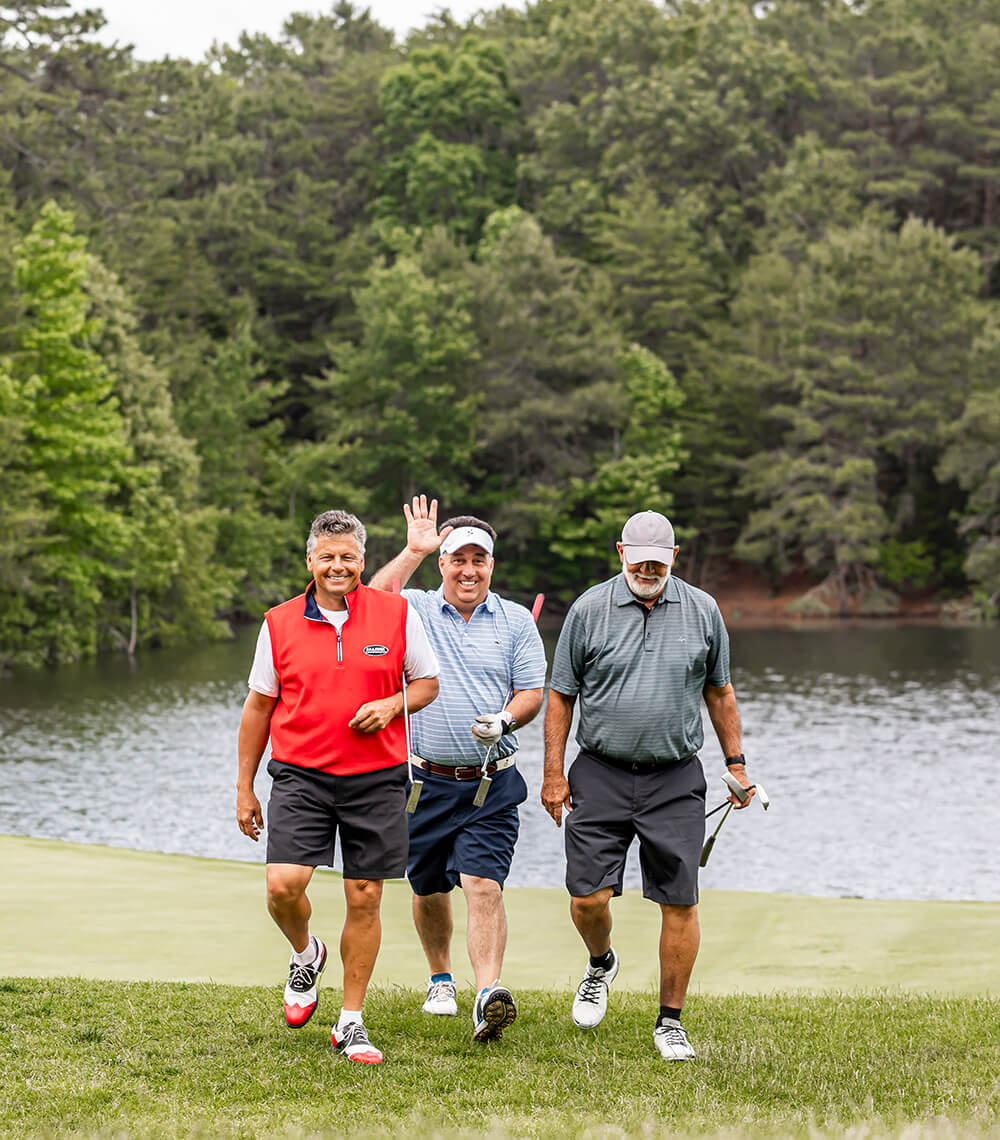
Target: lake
column 877, row 746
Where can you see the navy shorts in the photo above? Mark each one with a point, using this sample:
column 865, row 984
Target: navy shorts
column 307, row 809
column 665, row 808
column 450, row 837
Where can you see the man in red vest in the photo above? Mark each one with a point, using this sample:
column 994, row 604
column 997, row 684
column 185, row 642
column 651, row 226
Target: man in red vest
column 327, row 688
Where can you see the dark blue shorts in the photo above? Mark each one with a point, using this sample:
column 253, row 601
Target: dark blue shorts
column 450, row 837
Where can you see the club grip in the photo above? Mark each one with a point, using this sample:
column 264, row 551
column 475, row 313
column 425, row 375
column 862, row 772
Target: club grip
column 706, row 850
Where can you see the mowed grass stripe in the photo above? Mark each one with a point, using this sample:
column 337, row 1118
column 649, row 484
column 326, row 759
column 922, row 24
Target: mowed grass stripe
column 100, row 912
column 162, row 1060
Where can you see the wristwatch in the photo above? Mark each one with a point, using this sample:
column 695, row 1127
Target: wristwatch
column 732, row 761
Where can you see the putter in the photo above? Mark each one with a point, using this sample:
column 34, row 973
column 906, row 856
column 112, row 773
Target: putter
column 484, row 784
column 416, row 786
column 742, row 794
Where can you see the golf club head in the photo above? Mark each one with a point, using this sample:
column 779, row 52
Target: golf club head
column 735, row 787
column 415, row 789
column 765, row 803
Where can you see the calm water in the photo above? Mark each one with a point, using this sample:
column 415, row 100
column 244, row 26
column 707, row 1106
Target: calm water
column 878, row 748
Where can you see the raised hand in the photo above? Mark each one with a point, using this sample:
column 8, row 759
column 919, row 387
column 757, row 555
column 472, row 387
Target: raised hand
column 422, row 536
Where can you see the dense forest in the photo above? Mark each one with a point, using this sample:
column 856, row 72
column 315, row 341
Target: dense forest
column 738, row 262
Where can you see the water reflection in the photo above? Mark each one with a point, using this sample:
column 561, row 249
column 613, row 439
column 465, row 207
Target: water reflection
column 876, row 745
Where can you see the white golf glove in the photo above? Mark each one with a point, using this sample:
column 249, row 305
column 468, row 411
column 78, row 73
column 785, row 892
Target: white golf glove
column 488, row 729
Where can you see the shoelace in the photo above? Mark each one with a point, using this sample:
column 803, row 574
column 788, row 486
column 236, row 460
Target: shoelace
column 591, row 986
column 301, row 978
column 440, row 990
column 673, row 1034
column 354, row 1034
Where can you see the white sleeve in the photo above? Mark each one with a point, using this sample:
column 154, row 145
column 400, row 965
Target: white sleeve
column 419, row 659
column 263, row 678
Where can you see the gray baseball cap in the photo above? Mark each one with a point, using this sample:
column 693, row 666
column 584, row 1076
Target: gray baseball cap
column 648, row 537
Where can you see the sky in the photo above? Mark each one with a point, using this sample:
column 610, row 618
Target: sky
column 189, row 27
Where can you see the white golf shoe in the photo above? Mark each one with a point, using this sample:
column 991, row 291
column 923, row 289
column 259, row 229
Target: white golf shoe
column 591, row 1001
column 441, row 999
column 672, row 1042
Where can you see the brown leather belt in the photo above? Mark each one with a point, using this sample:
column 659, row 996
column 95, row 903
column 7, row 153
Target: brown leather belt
column 463, row 771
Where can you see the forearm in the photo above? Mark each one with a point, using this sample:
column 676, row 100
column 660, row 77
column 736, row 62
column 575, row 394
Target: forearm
column 558, row 718
column 403, row 567
column 525, row 705
column 725, row 717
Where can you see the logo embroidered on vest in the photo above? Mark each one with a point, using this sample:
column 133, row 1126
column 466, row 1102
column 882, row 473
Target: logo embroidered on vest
column 375, row 650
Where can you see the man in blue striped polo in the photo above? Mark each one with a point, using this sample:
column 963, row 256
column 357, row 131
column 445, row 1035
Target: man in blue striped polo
column 641, row 651
column 492, row 680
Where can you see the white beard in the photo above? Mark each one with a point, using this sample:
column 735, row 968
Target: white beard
column 643, row 591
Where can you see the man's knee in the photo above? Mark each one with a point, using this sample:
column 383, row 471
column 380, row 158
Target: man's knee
column 678, row 915
column 480, row 891
column 363, row 896
column 587, row 906
column 286, row 884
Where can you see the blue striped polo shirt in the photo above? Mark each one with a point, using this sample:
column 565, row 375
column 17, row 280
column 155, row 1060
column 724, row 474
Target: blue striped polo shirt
column 640, row 672
column 482, row 661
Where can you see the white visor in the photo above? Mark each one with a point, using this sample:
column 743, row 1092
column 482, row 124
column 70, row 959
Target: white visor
column 467, row 536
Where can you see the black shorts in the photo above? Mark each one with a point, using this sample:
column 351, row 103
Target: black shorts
column 307, row 808
column 664, row 807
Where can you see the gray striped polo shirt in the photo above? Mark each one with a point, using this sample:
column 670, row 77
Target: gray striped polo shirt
column 640, row 672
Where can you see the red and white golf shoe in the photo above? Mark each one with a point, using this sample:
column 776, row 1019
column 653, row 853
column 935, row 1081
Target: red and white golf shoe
column 301, row 994
column 353, row 1042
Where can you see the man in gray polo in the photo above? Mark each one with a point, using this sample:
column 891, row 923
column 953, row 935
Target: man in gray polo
column 642, row 651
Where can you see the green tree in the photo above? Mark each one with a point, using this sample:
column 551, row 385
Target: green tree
column 398, row 407
column 77, row 453
column 864, row 345
column 447, row 137
column 549, row 373
column 636, row 475
column 972, row 459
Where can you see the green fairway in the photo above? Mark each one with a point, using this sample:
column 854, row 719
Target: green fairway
column 101, row 912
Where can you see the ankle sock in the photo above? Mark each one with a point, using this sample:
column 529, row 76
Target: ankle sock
column 603, row 962
column 308, row 956
column 346, row 1017
column 668, row 1012
column 442, row 977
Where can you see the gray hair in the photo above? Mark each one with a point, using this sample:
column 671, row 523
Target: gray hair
column 331, row 523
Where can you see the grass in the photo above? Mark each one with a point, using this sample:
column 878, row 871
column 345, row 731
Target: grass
column 847, row 1018
column 96, row 1059
column 104, row 912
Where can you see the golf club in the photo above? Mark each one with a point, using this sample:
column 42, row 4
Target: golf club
column 742, row 794
column 416, row 786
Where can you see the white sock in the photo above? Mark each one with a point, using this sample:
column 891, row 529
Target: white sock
column 307, row 956
column 346, row 1017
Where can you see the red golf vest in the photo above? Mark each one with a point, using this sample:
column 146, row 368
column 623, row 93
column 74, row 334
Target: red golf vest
column 326, row 676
